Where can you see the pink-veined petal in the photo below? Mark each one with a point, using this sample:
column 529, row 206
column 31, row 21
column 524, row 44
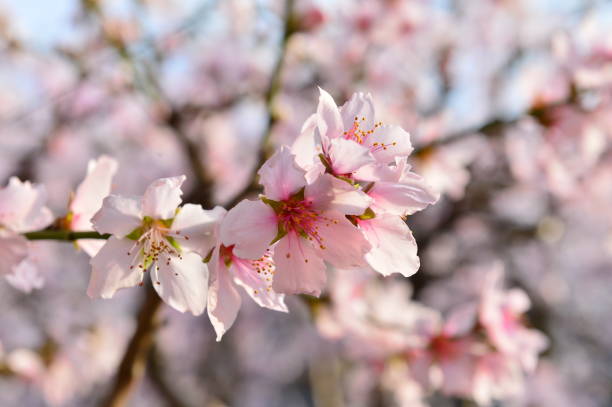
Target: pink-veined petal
column 195, row 227
column 330, row 193
column 281, row 176
column 405, row 198
column 119, row 215
column 114, row 267
column 162, row 197
column 223, row 299
column 341, row 243
column 250, row 226
column 394, row 249
column 299, row 269
column 182, row 282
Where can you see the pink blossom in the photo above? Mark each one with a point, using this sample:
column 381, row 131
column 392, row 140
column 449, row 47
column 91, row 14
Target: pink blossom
column 153, row 233
column 88, row 199
column 306, row 220
column 501, row 315
column 21, row 210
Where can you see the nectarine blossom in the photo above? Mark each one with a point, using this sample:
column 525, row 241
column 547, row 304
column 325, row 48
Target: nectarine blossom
column 306, row 221
column 22, row 209
column 153, row 233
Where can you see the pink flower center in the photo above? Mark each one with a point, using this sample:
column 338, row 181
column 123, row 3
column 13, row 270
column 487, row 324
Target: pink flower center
column 300, row 217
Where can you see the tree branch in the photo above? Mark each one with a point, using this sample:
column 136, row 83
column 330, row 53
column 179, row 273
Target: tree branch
column 64, row 235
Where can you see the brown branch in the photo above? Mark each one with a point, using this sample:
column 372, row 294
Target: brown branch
column 132, row 367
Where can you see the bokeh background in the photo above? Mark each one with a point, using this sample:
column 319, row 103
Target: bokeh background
column 509, row 106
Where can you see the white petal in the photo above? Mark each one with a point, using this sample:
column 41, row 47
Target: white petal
column 162, row 197
column 22, row 206
column 114, row 267
column 347, row 156
column 329, row 121
column 250, row 226
column 182, row 283
column 223, row 298
column 92, row 191
column 119, row 215
column 393, row 141
column 256, row 277
column 394, row 250
column 358, row 106
column 196, row 227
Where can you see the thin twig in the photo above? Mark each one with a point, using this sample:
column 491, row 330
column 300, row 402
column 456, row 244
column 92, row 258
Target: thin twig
column 64, row 235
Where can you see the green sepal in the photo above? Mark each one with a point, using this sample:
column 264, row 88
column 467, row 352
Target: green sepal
column 326, row 164
column 281, row 233
column 147, row 220
column 208, row 256
column 136, row 233
column 368, row 214
column 276, row 205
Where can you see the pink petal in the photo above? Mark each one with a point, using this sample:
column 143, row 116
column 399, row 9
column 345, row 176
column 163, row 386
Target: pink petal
column 298, row 267
column 341, row 243
column 329, row 121
column 162, row 197
column 182, row 282
column 394, row 250
column 331, row 193
column 22, row 206
column 223, row 298
column 119, row 215
column 280, row 175
column 361, row 106
column 394, row 138
column 111, row 268
column 347, row 156
column 195, row 227
column 250, row 226
column 26, row 276
column 403, row 198
column 92, row 191
column 256, row 278
column 13, row 250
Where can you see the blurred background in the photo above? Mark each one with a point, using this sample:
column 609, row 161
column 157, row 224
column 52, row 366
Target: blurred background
column 509, row 106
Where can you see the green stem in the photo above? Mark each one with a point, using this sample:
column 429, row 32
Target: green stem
column 64, row 235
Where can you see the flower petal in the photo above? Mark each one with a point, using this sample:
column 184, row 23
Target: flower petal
column 92, row 191
column 341, row 243
column 389, row 142
column 182, row 282
column 112, row 268
column 329, row 121
column 13, row 250
column 359, row 106
column 256, row 276
column 195, row 227
column 250, row 226
column 162, row 197
column 394, row 250
column 223, row 298
column 26, row 277
column 22, row 206
column 119, row 215
column 331, row 193
column 281, row 176
column 347, row 156
column 403, row 198
column 298, row 267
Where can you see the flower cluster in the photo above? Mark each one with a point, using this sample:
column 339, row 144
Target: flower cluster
column 338, row 196
column 481, row 349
